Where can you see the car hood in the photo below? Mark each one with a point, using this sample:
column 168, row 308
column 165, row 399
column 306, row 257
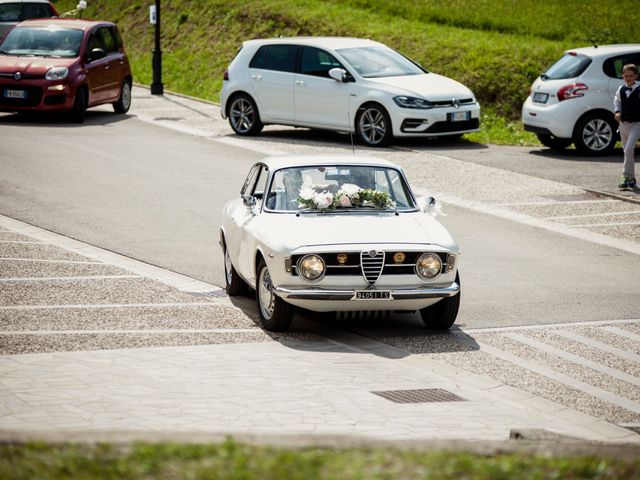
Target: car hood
column 31, row 65
column 431, row 86
column 288, row 232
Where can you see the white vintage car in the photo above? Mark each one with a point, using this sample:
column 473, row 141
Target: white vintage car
column 337, row 233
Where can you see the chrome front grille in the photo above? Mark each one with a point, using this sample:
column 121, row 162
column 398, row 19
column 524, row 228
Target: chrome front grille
column 371, row 263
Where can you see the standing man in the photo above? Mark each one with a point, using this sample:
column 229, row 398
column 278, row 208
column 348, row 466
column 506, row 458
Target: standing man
column 626, row 105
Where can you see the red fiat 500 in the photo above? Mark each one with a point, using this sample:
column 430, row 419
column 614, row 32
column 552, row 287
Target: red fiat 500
column 64, row 65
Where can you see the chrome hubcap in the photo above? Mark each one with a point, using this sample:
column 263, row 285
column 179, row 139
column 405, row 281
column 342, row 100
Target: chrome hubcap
column 227, row 267
column 242, row 115
column 372, row 126
column 597, row 134
column 265, row 294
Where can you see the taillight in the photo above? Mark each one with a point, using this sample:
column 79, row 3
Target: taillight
column 571, row 91
column 226, row 76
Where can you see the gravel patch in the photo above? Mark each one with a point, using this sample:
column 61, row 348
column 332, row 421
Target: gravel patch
column 632, row 327
column 566, row 209
column 23, row 344
column 15, row 237
column 584, row 351
column 566, row 367
column 625, row 232
column 586, row 221
column 129, row 318
column 19, row 269
column 610, row 338
column 484, row 364
column 39, row 252
column 91, row 292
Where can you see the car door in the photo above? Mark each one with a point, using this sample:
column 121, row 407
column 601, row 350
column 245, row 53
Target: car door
column 319, row 99
column 271, row 73
column 613, row 69
column 241, row 241
column 114, row 63
column 98, row 75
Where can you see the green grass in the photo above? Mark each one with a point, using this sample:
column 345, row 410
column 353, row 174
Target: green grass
column 232, row 460
column 497, row 48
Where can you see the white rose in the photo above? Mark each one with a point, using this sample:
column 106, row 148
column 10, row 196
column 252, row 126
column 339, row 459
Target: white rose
column 323, row 200
column 307, row 193
column 349, row 189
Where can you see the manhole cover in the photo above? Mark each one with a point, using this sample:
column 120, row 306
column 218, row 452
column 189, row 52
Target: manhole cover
column 211, row 294
column 420, row 396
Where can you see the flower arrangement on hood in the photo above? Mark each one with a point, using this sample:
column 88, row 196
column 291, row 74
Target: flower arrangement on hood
column 349, row 195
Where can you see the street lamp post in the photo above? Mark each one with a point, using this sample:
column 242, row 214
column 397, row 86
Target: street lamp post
column 157, row 88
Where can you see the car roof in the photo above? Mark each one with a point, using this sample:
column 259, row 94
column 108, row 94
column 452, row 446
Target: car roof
column 62, row 22
column 322, row 42
column 606, row 50
column 286, row 161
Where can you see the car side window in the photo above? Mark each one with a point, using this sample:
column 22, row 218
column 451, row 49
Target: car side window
column 108, row 40
column 317, row 62
column 281, row 58
column 93, row 43
column 249, row 183
column 261, row 182
column 613, row 66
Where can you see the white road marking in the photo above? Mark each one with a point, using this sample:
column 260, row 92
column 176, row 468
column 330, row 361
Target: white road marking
column 23, row 242
column 135, row 332
column 605, row 347
column 612, row 372
column 594, row 215
column 79, row 262
column 623, row 333
column 107, row 305
column 551, row 325
column 614, row 224
column 563, row 379
column 557, row 202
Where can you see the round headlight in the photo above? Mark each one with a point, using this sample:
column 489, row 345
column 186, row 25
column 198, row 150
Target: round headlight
column 428, row 265
column 311, row 267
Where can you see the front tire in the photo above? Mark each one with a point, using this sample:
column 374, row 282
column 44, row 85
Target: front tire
column 79, row 106
column 442, row 315
column 553, row 142
column 275, row 313
column 595, row 134
column 244, row 117
column 124, row 102
column 234, row 285
column 373, row 126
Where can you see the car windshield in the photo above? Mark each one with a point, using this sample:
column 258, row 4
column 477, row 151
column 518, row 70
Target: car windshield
column 376, row 62
column 569, row 66
column 46, row 42
column 338, row 188
column 19, row 11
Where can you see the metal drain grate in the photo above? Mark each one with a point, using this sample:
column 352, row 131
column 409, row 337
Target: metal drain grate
column 420, row 396
column 211, row 294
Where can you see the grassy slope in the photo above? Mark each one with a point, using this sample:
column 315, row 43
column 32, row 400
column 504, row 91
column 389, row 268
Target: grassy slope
column 496, row 48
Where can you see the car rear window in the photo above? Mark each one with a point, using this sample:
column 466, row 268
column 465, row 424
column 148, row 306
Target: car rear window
column 18, row 11
column 570, row 66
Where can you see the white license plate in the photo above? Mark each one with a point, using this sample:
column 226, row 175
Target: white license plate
column 539, row 97
column 460, row 116
column 15, row 93
column 372, row 295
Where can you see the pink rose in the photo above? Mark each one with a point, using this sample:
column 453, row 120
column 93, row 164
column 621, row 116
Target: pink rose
column 345, row 201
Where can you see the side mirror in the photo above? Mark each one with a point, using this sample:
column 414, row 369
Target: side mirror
column 338, row 74
column 248, row 200
column 97, row 54
column 428, row 204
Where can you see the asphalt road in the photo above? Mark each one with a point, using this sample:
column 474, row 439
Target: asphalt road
column 156, row 195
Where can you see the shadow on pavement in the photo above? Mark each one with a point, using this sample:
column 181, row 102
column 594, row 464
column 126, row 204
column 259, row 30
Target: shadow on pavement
column 574, row 155
column 60, row 120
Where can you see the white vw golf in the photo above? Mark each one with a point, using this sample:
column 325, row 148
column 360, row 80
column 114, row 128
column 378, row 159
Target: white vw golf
column 338, row 233
column 342, row 84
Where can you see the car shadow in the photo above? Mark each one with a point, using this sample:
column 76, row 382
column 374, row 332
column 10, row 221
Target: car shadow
column 60, row 120
column 571, row 154
column 395, row 335
column 328, row 138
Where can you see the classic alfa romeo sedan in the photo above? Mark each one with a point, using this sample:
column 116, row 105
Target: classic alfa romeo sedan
column 338, row 233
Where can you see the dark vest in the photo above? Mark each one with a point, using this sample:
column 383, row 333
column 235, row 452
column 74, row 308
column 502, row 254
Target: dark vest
column 630, row 106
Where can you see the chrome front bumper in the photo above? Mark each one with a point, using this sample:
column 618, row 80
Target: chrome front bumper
column 418, row 292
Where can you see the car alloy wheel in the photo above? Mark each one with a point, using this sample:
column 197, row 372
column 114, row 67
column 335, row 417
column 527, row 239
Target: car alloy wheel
column 124, row 102
column 374, row 127
column 595, row 134
column 244, row 117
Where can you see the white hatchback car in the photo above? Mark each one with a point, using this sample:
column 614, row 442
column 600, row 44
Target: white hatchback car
column 573, row 101
column 338, row 233
column 342, row 84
